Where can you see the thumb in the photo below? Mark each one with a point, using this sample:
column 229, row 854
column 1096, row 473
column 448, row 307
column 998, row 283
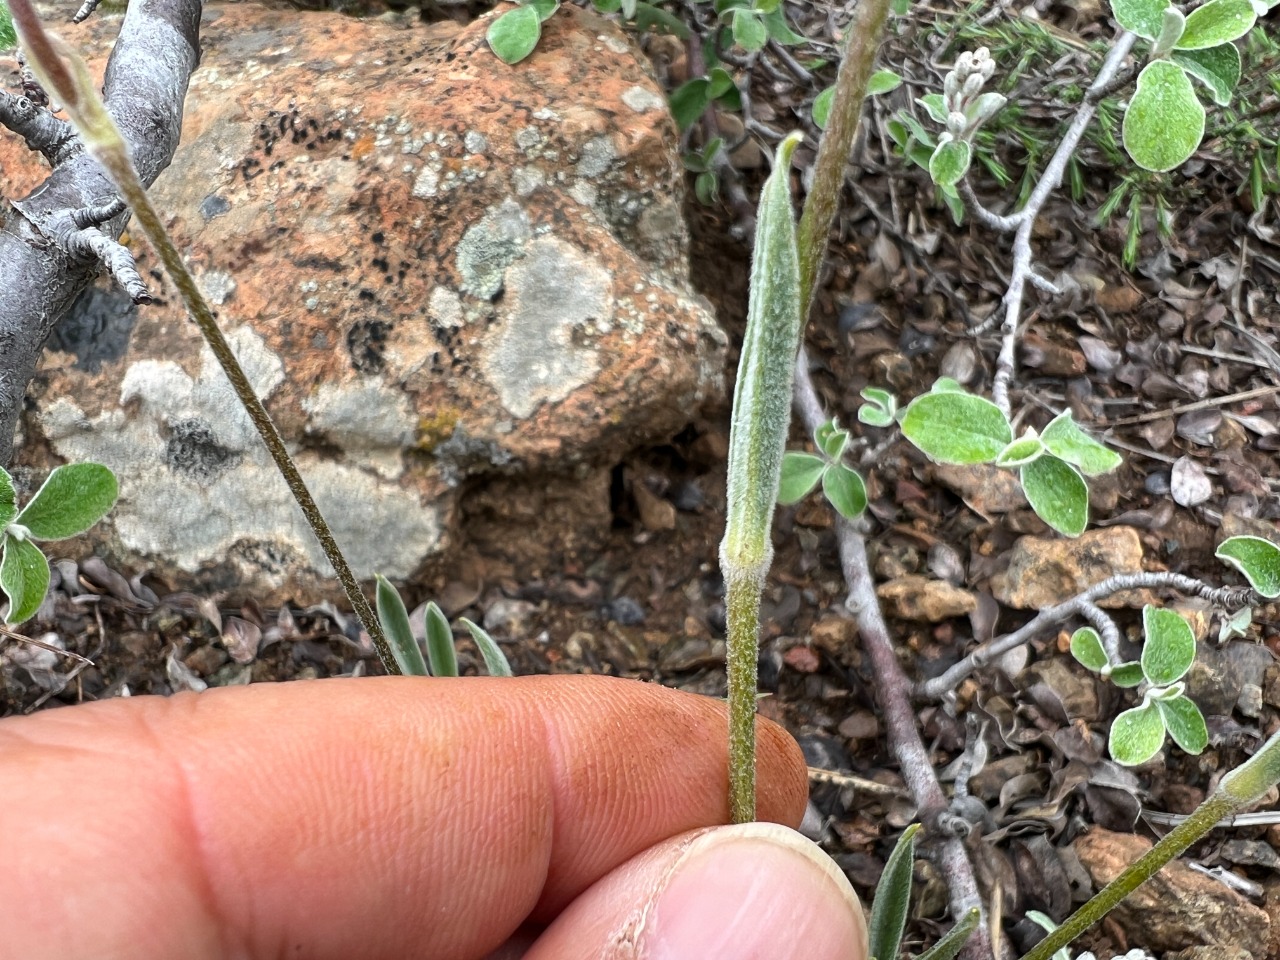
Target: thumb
column 746, row 892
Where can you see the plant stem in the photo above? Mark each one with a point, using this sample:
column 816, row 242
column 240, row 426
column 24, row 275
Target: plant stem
column 742, row 616
column 1241, row 787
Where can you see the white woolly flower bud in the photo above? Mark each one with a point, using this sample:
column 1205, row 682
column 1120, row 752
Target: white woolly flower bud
column 972, row 86
column 956, row 122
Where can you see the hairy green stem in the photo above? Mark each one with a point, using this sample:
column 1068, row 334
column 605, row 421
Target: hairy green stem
column 742, row 615
column 1238, row 789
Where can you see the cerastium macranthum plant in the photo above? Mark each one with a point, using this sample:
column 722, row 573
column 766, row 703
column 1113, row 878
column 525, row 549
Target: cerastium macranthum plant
column 757, row 436
column 72, row 499
column 442, row 658
column 62, row 72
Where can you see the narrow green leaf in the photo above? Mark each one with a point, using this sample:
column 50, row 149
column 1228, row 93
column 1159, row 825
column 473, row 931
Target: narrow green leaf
column 8, row 497
column 952, row 427
column 1185, row 723
column 395, row 624
column 893, row 897
column 1057, row 493
column 1136, row 735
column 950, row 946
column 1218, row 68
column 1086, row 647
column 440, row 650
column 749, row 30
column 1165, row 122
column 882, row 81
column 845, row 491
column 1218, row 21
column 514, row 35
column 73, row 498
column 1169, row 647
column 495, row 661
column 822, row 107
column 762, row 392
column 1024, row 450
column 950, row 162
column 1257, row 559
column 1046, row 922
column 24, row 577
column 1127, row 674
column 800, row 474
column 935, row 105
column 689, row 100
column 1068, row 442
column 1143, row 17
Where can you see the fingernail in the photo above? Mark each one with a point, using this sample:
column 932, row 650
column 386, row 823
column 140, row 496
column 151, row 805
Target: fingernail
column 756, row 890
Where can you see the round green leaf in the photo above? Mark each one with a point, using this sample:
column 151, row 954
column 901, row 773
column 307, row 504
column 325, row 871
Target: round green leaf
column 882, row 81
column 1169, row 647
column 514, row 34
column 1143, row 17
column 1257, row 559
column 24, row 577
column 1136, row 735
column 1218, row 21
column 1057, row 493
column 779, row 30
column 73, row 498
column 831, row 439
column 722, row 82
column 1185, row 724
column 935, row 105
column 1068, row 442
column 1165, row 122
column 1218, row 68
column 800, row 474
column 822, row 107
column 1020, row 452
column 749, row 30
column 950, row 162
column 846, row 491
column 1086, row 647
column 689, row 100
column 951, row 427
column 1127, row 674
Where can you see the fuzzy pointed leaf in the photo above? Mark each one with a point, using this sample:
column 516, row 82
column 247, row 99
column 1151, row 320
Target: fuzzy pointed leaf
column 514, row 35
column 440, row 650
column 1165, row 122
column 1143, row 17
column 950, row 945
column 893, row 897
column 882, row 81
column 762, row 393
column 950, row 162
column 395, row 624
column 1218, row 21
column 73, row 498
column 1174, row 23
column 495, row 661
column 845, row 491
column 1068, row 442
column 1185, row 723
column 1169, row 647
column 1020, row 452
column 1086, row 647
column 24, row 577
column 1218, row 68
column 1057, row 493
column 953, row 427
column 1136, row 735
column 800, row 474
column 934, row 105
column 1257, row 559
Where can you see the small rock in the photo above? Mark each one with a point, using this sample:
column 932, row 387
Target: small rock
column 1051, row 359
column 625, row 611
column 688, row 496
column 861, row 725
column 1178, row 905
column 656, row 513
column 508, row 617
column 802, row 659
column 986, row 489
column 834, row 633
column 919, row 598
column 1043, row 572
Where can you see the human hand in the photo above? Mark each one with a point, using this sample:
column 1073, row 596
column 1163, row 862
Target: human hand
column 536, row 817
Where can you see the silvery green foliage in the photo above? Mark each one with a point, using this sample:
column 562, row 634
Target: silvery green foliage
column 8, row 36
column 438, row 635
column 961, row 109
column 1168, row 650
column 72, row 499
column 802, row 472
column 1257, row 559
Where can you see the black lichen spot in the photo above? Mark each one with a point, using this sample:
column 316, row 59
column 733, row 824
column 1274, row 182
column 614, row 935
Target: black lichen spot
column 213, row 206
column 378, row 237
column 193, row 449
column 367, row 342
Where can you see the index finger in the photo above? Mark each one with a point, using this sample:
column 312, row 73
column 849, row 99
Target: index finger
column 388, row 817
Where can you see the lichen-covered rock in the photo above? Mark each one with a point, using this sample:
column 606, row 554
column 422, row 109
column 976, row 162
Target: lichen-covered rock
column 1044, row 571
column 434, row 265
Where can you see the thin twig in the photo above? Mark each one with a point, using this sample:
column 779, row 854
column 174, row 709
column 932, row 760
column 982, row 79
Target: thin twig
column 1188, row 407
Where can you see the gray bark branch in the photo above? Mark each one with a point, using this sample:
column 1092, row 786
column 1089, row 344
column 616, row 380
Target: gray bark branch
column 51, row 242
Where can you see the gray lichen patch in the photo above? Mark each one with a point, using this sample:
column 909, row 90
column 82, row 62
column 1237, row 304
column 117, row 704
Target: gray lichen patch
column 557, row 299
column 369, row 421
column 196, row 481
column 597, row 157
column 489, row 247
column 642, row 99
